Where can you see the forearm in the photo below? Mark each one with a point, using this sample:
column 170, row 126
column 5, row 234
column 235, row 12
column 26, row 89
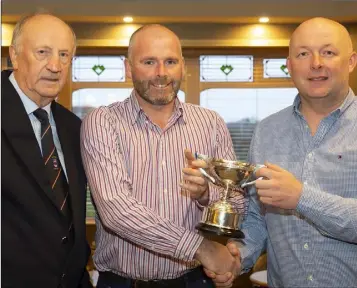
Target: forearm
column 125, row 216
column 334, row 216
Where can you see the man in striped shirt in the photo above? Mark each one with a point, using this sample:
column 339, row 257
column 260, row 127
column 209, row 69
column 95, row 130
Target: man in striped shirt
column 133, row 154
column 306, row 210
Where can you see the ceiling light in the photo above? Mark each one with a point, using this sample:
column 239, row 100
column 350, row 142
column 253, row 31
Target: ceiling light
column 128, row 19
column 263, row 19
column 258, row 31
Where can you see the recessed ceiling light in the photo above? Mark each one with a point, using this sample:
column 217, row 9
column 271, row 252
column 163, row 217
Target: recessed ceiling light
column 263, row 19
column 128, row 19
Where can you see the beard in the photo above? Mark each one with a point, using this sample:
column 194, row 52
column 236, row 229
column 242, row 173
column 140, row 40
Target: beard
column 158, row 97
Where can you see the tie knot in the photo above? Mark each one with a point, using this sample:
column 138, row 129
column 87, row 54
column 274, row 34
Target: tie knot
column 41, row 115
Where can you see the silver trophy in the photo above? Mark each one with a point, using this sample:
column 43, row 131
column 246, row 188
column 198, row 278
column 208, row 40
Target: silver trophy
column 221, row 218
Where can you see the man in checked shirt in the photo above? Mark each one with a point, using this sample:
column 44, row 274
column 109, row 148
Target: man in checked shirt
column 305, row 212
column 133, row 154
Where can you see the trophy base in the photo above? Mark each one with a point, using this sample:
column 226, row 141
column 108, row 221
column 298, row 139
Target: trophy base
column 219, row 231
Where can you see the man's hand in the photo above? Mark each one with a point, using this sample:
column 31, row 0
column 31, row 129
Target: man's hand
column 226, row 279
column 280, row 188
column 193, row 180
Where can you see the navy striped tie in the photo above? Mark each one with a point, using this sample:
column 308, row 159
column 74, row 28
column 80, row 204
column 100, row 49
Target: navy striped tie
column 53, row 165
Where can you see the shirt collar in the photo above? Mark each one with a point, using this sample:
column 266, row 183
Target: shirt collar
column 347, row 102
column 29, row 105
column 136, row 110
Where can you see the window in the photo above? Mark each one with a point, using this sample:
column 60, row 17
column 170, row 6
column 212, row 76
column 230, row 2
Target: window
column 226, row 68
column 85, row 100
column 275, row 68
column 243, row 108
column 98, row 69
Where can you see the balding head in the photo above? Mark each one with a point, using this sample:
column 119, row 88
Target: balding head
column 41, row 54
column 151, row 30
column 321, row 57
column 319, row 28
column 38, row 16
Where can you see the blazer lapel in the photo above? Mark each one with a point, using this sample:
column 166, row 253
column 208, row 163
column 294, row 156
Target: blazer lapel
column 18, row 130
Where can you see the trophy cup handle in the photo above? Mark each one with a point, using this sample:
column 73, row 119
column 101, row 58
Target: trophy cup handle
column 258, row 166
column 250, row 183
column 206, row 175
column 204, row 158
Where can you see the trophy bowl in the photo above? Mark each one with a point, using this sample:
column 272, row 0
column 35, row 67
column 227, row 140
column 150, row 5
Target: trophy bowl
column 222, row 218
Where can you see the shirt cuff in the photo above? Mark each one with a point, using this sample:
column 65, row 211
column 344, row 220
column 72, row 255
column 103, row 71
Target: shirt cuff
column 188, row 245
column 213, row 195
column 309, row 200
column 243, row 257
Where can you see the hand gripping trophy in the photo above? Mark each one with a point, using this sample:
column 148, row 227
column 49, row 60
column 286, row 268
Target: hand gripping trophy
column 221, row 217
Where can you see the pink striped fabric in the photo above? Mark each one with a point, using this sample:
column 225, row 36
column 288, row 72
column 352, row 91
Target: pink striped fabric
column 146, row 223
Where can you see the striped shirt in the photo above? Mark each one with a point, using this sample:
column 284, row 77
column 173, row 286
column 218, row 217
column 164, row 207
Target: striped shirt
column 314, row 245
column 146, row 223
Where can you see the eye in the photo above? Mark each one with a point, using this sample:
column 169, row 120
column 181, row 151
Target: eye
column 149, row 62
column 303, row 54
column 64, row 54
column 171, row 62
column 329, row 53
column 42, row 52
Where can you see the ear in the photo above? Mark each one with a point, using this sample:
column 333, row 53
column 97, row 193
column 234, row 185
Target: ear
column 127, row 68
column 352, row 61
column 13, row 57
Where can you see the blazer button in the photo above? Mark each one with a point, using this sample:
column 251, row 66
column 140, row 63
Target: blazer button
column 64, row 240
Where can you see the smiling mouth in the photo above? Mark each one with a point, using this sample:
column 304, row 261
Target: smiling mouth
column 160, row 86
column 321, row 78
column 50, row 79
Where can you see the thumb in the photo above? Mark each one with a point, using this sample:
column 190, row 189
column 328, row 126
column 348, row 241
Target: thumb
column 209, row 273
column 189, row 156
column 233, row 249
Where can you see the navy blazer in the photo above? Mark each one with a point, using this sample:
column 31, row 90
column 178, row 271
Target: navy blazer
column 34, row 247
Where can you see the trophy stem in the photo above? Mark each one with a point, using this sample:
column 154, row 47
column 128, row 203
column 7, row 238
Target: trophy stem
column 228, row 184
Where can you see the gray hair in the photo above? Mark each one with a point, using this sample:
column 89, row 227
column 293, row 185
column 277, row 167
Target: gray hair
column 16, row 34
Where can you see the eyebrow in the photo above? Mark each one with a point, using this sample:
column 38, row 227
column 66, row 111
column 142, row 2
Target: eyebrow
column 157, row 58
column 307, row 47
column 50, row 48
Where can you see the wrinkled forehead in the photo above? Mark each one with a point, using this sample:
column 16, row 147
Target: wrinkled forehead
column 49, row 33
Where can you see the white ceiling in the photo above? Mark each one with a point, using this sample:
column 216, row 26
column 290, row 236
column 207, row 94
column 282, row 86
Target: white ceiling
column 218, row 11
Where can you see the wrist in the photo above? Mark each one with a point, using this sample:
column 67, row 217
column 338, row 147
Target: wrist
column 204, row 198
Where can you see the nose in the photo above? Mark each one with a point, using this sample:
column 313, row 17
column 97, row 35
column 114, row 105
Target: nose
column 316, row 62
column 161, row 70
column 54, row 64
